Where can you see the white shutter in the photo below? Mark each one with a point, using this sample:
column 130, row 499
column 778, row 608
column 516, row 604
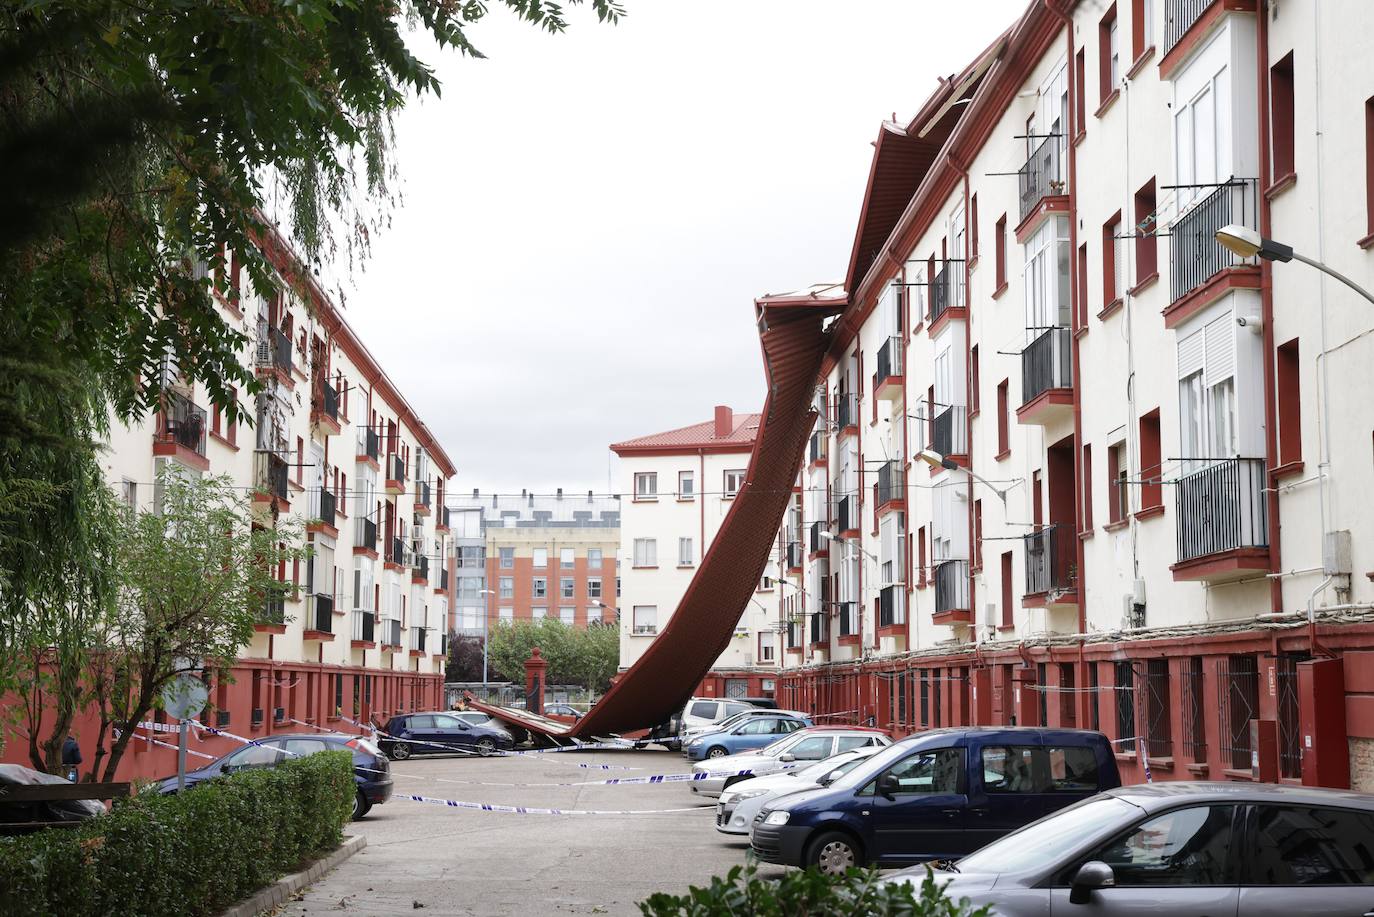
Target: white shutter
column 1191, row 353
column 1221, row 350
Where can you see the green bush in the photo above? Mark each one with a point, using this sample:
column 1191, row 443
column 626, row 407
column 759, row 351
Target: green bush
column 807, row 893
column 193, row 853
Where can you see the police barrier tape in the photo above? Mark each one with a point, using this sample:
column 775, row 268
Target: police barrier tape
column 163, row 744
column 529, row 810
column 527, row 755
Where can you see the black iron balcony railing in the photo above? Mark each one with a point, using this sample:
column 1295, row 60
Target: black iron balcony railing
column 273, row 610
column 1179, row 17
column 323, row 617
column 271, row 474
column 819, row 631
column 443, row 579
column 846, row 410
column 891, row 606
column 183, row 423
column 1195, row 255
column 422, row 493
column 327, row 400
column 1049, row 560
column 323, row 505
column 369, row 444
column 366, row 534
column 890, row 359
column 815, row 543
column 395, row 467
column 891, row 483
column 948, row 431
column 443, row 643
column 395, row 550
column 845, row 516
column 274, row 348
column 417, row 638
column 391, row 632
column 1221, row 508
column 1047, row 363
column 364, row 626
column 818, row 446
column 422, row 567
column 1043, row 174
column 441, row 519
column 794, row 634
column 848, row 619
column 951, row 586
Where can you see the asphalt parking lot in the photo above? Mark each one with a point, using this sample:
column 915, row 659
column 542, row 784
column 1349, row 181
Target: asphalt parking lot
column 442, row 860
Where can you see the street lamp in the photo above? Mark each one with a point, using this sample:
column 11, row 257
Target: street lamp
column 1247, row 243
column 936, row 460
column 486, row 616
column 830, row 536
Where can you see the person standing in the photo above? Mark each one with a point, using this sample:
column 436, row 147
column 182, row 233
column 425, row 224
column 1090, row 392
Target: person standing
column 71, row 757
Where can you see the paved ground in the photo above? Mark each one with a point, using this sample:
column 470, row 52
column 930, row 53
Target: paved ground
column 459, row 861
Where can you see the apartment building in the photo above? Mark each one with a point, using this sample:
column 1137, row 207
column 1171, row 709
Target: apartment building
column 678, row 486
column 534, row 556
column 1077, row 463
column 331, row 442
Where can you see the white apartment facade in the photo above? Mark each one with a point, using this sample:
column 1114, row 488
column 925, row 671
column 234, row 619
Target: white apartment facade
column 1170, row 443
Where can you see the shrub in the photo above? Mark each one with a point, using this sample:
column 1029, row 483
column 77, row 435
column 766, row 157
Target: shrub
column 193, row 853
column 807, row 893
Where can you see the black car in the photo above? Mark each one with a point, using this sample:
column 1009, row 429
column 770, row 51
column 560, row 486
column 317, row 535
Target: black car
column 371, row 769
column 435, row 733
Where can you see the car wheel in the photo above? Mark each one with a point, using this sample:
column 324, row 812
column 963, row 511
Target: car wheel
column 834, row 852
column 731, row 781
column 400, row 751
column 717, row 752
column 360, row 805
column 485, row 746
column 673, row 746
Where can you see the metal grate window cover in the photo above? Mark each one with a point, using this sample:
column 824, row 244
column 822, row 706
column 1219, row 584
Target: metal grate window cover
column 1068, row 714
column 1157, row 710
column 1194, row 722
column 1125, row 705
column 1238, row 690
column 1290, row 741
column 736, row 687
column 1094, row 708
column 1042, row 695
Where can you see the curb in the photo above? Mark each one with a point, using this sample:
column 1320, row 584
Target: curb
column 276, row 894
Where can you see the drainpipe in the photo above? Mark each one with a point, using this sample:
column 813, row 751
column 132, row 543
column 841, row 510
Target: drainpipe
column 1271, row 449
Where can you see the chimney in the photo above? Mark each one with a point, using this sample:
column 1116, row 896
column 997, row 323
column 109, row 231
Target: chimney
column 725, row 421
column 560, row 493
column 474, row 493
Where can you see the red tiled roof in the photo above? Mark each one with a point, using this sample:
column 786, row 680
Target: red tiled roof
column 697, row 436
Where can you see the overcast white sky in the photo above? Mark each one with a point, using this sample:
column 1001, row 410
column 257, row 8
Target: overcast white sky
column 587, row 217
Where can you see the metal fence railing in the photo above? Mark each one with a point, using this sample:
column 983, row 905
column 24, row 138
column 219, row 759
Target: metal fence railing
column 948, row 434
column 1221, row 508
column 1195, row 254
column 951, row 586
column 891, row 606
column 1046, row 363
column 183, row 422
column 846, row 410
column 889, row 359
column 891, row 482
column 1179, row 17
column 1043, row 174
column 1049, row 560
column 1238, row 697
column 1193, row 709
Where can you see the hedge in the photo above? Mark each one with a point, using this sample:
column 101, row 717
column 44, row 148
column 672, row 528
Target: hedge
column 807, row 893
column 193, row 853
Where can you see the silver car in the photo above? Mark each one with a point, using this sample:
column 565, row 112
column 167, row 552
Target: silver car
column 1258, row 850
column 737, row 806
column 814, row 743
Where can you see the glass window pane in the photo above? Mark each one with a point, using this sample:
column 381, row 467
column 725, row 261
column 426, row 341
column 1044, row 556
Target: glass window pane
column 1009, row 769
column 927, row 772
column 1306, row 845
column 1072, row 769
column 816, row 748
column 1183, row 847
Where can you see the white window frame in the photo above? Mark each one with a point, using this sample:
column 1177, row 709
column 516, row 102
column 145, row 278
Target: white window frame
column 567, row 558
column 645, row 620
column 506, row 613
column 506, row 554
column 567, row 587
column 567, row 614
column 733, row 481
column 540, row 558
column 645, row 552
column 539, row 587
column 594, row 556
column 686, row 485
column 686, row 555
column 646, row 485
column 593, row 587
column 539, row 612
column 506, row 586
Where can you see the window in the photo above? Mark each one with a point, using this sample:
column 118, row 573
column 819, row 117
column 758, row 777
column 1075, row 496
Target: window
column 1202, row 138
column 686, row 485
column 974, row 376
column 566, row 614
column 1179, row 848
column 814, row 748
column 1000, row 242
column 540, row 587
column 1118, row 504
column 1290, row 403
column 929, row 772
column 849, row 743
column 1125, row 707
column 1007, row 620
column 1146, row 240
column 1109, row 53
column 594, row 558
column 685, row 557
column 506, row 613
column 646, row 552
column 734, row 480
column 539, row 612
column 1281, row 115
column 646, row 619
column 506, row 586
column 705, row 710
column 1111, row 268
column 1142, row 27
column 1207, row 392
column 566, row 558
column 507, row 557
column 593, row 587
column 1094, row 708
column 646, row 485
column 1003, row 419
column 921, row 566
column 765, row 647
column 1080, row 93
column 1310, row 845
column 128, row 492
column 1151, row 490
column 541, row 557
column 594, row 615
column 1009, row 769
column 972, row 230
column 565, row 587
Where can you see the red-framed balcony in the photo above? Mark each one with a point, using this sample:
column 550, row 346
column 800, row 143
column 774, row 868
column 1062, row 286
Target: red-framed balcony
column 441, row 519
column 1187, row 25
column 793, row 555
column 324, row 409
column 274, row 355
column 270, row 476
column 395, row 481
column 322, row 516
column 365, row 538
column 1222, row 521
column 364, row 630
column 1201, row 271
column 951, row 593
column 948, row 301
column 181, row 431
column 319, row 620
column 1044, row 186
column 793, row 635
column 888, row 381
column 422, row 498
column 1047, row 377
column 816, row 546
column 397, row 557
column 819, row 449
column 271, row 617
column 820, row 628
column 848, row 615
column 846, row 517
column 949, row 433
column 418, row 637
column 889, row 493
column 369, row 447
column 419, row 573
column 892, row 611
column 390, row 634
column 442, row 587
column 1051, row 567
column 847, row 414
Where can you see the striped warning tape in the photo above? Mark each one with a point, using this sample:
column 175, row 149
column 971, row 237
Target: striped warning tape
column 163, row 744
column 653, row 780
column 530, row 810
column 527, row 755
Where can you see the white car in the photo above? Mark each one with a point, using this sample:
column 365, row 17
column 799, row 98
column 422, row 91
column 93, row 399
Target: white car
column 739, row 804
column 803, row 747
column 703, row 713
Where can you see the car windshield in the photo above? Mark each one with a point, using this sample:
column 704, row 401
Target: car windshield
column 875, row 764
column 732, row 721
column 844, row 762
column 1042, row 842
column 781, row 745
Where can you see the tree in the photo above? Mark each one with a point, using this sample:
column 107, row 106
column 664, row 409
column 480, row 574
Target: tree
column 195, row 576
column 464, row 658
column 577, row 656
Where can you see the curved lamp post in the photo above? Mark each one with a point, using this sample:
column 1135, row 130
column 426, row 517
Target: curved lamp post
column 1247, row 243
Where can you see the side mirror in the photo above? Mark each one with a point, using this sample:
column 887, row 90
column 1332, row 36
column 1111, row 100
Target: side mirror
column 888, row 786
column 1090, row 877
column 787, row 757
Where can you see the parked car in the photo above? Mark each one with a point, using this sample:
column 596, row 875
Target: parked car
column 433, row 733
column 15, row 816
column 371, row 769
column 725, row 725
column 1181, row 848
column 739, row 803
column 475, row 717
column 746, row 735
column 763, row 703
column 938, row 795
column 813, row 743
column 562, row 710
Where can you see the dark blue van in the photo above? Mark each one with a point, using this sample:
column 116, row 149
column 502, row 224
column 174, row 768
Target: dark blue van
column 935, row 796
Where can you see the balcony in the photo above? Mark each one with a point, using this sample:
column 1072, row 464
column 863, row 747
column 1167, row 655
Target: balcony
column 443, row 581
column 818, row 450
column 396, row 554
column 270, row 479
column 1200, row 269
column 1222, row 521
column 274, row 352
column 390, row 633
column 417, row 640
column 820, row 632
column 946, row 294
column 420, row 573
column 1043, row 185
column 365, row 536
column 1047, row 378
column 271, row 618
column 422, row 506
column 849, row 619
column 951, row 593
column 364, row 629
column 1051, row 577
column 369, row 446
column 324, row 409
column 892, row 607
column 846, row 517
column 395, row 482
column 323, row 512
column 815, row 543
column 441, row 519
column 891, row 486
column 847, row 413
column 320, row 619
column 889, row 380
column 794, row 555
column 949, row 431
column 181, row 430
